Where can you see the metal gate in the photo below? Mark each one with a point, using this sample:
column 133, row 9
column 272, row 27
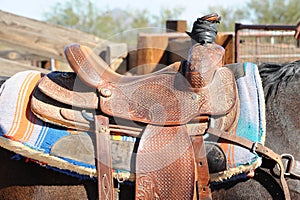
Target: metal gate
column 266, row 43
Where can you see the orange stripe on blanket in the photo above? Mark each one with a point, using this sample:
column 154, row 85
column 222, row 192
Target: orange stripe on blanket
column 30, row 127
column 229, row 151
column 23, row 122
column 26, row 116
column 18, row 112
column 233, row 164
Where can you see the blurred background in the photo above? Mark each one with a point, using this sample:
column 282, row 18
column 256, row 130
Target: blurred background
column 106, row 17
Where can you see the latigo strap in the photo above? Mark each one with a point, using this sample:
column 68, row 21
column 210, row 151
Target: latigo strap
column 202, row 170
column 257, row 148
column 104, row 163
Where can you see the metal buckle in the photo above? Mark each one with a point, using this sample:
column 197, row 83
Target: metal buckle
column 287, row 165
column 87, row 116
column 290, row 162
column 254, row 147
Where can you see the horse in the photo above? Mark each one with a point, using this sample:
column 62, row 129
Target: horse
column 281, row 85
column 20, row 179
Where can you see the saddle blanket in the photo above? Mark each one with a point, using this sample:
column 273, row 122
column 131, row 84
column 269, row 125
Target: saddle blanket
column 26, row 135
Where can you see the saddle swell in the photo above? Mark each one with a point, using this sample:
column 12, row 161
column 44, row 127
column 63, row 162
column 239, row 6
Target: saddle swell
column 202, row 63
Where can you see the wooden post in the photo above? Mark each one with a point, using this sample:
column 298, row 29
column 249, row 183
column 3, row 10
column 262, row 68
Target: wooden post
column 226, row 41
column 176, row 26
column 178, row 49
column 151, row 52
column 116, row 57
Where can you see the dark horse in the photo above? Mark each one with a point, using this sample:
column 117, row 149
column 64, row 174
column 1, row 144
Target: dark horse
column 21, row 180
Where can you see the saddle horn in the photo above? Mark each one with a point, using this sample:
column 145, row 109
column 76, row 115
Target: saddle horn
column 205, row 55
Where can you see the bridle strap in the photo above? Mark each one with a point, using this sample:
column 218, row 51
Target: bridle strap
column 256, row 148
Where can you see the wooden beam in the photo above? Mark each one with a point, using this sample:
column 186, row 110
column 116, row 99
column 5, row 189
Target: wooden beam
column 178, row 49
column 42, row 38
column 151, row 52
column 176, row 25
column 226, row 41
column 9, row 68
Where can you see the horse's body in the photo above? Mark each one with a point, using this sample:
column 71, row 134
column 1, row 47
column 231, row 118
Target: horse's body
column 21, row 180
column 281, row 86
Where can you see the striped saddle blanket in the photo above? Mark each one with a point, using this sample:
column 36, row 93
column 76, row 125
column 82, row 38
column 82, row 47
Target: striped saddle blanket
column 26, row 135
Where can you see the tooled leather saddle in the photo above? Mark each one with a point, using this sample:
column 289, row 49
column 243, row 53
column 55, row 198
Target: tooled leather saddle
column 164, row 102
column 169, row 110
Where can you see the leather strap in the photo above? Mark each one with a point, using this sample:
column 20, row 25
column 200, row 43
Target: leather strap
column 202, row 170
column 256, row 148
column 104, row 163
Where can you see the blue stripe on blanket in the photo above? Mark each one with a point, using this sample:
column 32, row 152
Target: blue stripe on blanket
column 251, row 123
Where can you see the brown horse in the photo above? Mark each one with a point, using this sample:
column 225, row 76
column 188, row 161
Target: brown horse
column 22, row 180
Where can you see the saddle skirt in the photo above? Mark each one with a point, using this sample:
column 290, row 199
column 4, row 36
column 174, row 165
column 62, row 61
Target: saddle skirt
column 31, row 137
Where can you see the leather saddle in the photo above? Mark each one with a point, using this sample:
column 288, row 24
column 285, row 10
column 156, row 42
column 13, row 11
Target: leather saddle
column 170, row 111
column 162, row 108
column 161, row 98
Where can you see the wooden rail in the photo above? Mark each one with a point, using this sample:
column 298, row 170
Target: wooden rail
column 9, row 67
column 46, row 41
column 41, row 38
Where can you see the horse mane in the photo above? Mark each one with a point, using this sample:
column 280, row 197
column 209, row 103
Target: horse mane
column 275, row 74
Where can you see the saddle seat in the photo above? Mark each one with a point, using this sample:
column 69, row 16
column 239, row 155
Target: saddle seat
column 94, row 71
